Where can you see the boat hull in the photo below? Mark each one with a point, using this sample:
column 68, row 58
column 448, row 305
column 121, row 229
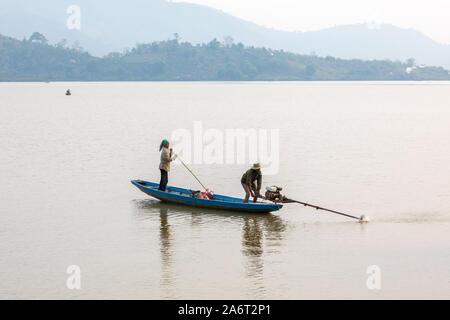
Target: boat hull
column 183, row 197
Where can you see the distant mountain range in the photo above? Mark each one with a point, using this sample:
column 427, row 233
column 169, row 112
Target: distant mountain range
column 108, row 26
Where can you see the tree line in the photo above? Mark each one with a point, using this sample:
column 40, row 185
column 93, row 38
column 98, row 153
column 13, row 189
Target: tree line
column 35, row 59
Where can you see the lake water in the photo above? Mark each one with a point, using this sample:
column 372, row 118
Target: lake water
column 379, row 149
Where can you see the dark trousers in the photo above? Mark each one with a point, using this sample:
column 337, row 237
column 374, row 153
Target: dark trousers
column 163, row 181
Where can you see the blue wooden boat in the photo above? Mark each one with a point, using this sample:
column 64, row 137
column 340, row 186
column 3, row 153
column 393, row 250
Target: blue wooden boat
column 184, row 196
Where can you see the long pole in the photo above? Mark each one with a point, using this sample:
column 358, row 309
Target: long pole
column 191, row 172
column 325, row 209
column 361, row 219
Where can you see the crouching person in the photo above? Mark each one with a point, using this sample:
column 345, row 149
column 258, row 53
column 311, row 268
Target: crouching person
column 248, row 182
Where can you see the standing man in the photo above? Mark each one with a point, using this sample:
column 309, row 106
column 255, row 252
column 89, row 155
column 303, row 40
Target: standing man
column 248, row 182
column 164, row 166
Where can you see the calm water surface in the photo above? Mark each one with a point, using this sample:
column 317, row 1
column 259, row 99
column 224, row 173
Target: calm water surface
column 379, row 149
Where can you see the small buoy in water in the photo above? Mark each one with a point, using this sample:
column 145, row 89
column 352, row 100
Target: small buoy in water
column 363, row 219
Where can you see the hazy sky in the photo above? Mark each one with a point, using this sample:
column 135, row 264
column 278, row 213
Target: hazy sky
column 432, row 17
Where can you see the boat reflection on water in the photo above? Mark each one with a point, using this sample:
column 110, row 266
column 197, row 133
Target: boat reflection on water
column 165, row 244
column 258, row 232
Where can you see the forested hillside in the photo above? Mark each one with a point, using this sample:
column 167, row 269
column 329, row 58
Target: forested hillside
column 35, row 59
